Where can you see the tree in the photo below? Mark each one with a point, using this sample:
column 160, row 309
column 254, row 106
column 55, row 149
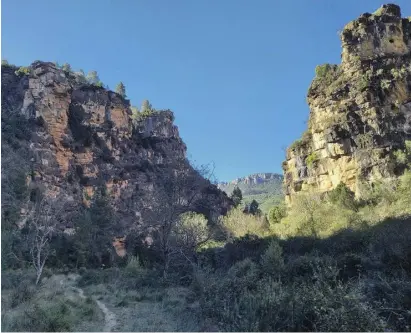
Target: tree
column 121, row 90
column 146, row 108
column 176, row 192
column 92, row 78
column 134, row 113
column 95, row 229
column 252, row 208
column 189, row 232
column 44, row 219
column 66, row 67
column 237, row 196
column 81, row 77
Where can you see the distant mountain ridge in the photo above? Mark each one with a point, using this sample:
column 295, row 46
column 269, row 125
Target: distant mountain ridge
column 265, row 188
column 254, row 184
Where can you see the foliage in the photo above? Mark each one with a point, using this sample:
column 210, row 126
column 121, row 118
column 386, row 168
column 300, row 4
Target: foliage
column 146, row 109
column 5, row 63
column 272, row 261
column 301, row 143
column 403, row 157
column 343, row 197
column 93, row 78
column 23, row 71
column 277, row 213
column 363, row 83
column 66, row 67
column 48, row 310
column 238, row 224
column 311, row 159
column 121, row 90
column 321, row 71
column 252, row 208
column 134, row 113
column 237, row 196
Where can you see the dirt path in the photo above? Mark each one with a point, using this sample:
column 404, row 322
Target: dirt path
column 109, row 317
column 110, row 320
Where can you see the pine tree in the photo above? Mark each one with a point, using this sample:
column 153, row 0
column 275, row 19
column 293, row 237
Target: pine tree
column 121, row 90
column 92, row 78
column 134, row 112
column 237, row 196
column 146, row 108
column 253, row 208
column 66, row 67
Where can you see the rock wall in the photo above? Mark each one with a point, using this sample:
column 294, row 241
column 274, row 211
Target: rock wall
column 360, row 110
column 84, row 138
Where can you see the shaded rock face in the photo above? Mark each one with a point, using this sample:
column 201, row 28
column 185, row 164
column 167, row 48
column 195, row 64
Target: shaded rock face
column 360, row 110
column 84, row 138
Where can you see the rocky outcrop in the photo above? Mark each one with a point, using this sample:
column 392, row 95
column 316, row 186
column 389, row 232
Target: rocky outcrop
column 257, row 183
column 360, row 110
column 84, row 138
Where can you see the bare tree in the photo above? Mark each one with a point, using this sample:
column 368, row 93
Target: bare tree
column 46, row 216
column 178, row 191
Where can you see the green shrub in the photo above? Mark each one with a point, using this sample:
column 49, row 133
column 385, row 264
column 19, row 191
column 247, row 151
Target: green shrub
column 296, row 144
column 385, row 84
column 272, row 261
column 321, row 71
column 277, row 213
column 23, row 71
column 311, row 159
column 5, row 63
column 400, row 157
column 22, row 293
column 363, row 83
column 343, row 197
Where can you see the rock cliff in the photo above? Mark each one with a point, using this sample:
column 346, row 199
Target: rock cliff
column 252, row 183
column 83, row 138
column 360, row 110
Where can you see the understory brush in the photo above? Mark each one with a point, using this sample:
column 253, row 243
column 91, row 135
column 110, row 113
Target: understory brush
column 46, row 307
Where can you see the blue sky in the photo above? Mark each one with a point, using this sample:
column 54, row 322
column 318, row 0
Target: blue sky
column 235, row 72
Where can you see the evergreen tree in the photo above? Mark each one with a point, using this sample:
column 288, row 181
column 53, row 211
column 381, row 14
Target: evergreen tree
column 92, row 78
column 253, row 208
column 66, row 67
column 134, row 112
column 146, row 108
column 121, row 90
column 237, row 196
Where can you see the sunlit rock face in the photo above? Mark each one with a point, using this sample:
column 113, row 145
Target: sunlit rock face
column 360, row 110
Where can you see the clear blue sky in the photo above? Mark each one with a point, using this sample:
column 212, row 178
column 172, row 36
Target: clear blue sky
column 235, row 72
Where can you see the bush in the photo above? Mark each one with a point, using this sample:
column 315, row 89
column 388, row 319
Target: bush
column 238, row 224
column 23, row 71
column 321, row 71
column 311, row 159
column 343, row 197
column 272, row 261
column 277, row 213
column 22, row 293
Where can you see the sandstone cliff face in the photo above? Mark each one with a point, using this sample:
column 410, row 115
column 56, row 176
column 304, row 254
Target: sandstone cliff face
column 84, row 138
column 360, row 110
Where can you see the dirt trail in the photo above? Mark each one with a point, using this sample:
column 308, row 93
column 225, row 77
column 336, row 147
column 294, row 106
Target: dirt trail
column 110, row 320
